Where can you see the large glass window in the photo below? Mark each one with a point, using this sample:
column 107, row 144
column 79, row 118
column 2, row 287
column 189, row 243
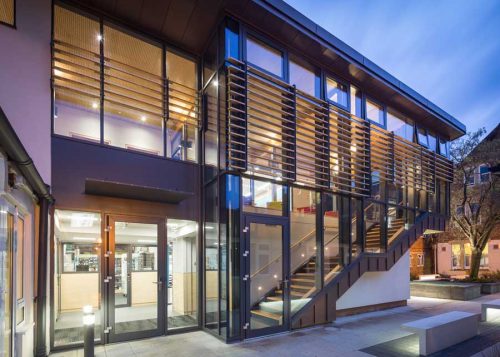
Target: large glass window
column 7, row 13
column 305, row 79
column 399, row 126
column 333, row 249
column 374, row 213
column 133, row 91
column 375, row 112
column 303, row 252
column 422, row 137
column 336, row 92
column 262, row 197
column 76, row 76
column 432, row 142
column 20, row 271
column 264, row 56
column 183, row 108
column 77, row 239
column 182, row 253
column 211, row 235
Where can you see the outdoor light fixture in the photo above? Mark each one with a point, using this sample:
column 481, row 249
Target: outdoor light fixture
column 94, row 105
column 143, row 118
column 88, row 327
column 215, row 83
column 99, row 37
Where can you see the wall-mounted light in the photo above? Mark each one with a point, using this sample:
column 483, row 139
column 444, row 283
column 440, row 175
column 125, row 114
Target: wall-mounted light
column 99, row 37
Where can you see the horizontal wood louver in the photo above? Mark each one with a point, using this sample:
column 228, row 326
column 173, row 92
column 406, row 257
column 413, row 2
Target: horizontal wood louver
column 236, row 116
column 349, row 155
column 270, row 127
column 406, row 163
column 133, row 80
column 76, row 60
column 382, row 153
column 311, row 141
column 443, row 168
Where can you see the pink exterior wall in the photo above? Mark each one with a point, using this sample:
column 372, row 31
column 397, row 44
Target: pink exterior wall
column 444, row 258
column 25, row 79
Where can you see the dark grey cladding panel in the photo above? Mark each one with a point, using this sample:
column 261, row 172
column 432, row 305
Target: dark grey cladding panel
column 74, row 162
column 124, row 190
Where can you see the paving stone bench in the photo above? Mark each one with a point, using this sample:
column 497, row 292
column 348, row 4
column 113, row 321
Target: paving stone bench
column 494, row 304
column 444, row 330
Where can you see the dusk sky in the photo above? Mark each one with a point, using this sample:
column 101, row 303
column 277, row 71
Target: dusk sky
column 447, row 50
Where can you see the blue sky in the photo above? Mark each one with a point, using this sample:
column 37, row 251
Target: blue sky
column 447, row 50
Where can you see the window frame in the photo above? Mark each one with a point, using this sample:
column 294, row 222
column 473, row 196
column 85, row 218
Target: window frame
column 13, row 25
column 347, row 107
column 20, row 301
column 308, row 66
column 384, row 111
column 247, row 33
column 446, row 143
column 419, row 127
column 480, row 175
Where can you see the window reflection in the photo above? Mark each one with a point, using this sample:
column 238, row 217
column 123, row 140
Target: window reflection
column 262, row 197
column 356, row 102
column 422, row 137
column 304, row 79
column 264, row 56
column 336, row 92
column 399, row 126
column 182, row 263
column 374, row 112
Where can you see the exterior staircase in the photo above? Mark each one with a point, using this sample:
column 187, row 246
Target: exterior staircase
column 302, row 285
column 372, row 239
column 321, row 308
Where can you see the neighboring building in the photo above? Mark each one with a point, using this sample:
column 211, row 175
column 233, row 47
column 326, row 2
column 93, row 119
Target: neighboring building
column 454, row 255
column 224, row 165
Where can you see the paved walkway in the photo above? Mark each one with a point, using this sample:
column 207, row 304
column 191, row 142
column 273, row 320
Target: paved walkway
column 371, row 332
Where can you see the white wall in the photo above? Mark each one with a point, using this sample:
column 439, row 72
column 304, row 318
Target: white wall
column 25, row 79
column 379, row 287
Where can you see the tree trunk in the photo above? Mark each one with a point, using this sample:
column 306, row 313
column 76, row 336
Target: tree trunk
column 475, row 263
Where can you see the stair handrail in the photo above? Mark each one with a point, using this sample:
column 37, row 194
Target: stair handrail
column 346, row 269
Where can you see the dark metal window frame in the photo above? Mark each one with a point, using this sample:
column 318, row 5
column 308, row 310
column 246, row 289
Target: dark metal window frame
column 329, row 75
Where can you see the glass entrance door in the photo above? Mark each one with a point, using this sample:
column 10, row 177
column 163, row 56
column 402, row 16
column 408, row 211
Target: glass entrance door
column 266, row 275
column 136, row 277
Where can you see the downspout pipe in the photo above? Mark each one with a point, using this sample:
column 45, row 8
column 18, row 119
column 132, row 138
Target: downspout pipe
column 13, row 147
column 16, row 152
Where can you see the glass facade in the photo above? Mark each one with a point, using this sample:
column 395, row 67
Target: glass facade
column 264, row 56
column 110, row 88
column 375, row 112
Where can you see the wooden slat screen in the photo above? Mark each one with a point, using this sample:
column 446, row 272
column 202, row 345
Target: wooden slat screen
column 349, row 155
column 277, row 131
column 312, row 141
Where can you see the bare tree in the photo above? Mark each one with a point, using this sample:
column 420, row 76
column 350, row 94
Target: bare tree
column 475, row 198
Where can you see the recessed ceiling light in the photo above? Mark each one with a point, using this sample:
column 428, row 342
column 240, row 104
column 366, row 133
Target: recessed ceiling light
column 94, row 105
column 143, row 118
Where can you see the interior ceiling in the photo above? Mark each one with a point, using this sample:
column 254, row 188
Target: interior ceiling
column 188, row 24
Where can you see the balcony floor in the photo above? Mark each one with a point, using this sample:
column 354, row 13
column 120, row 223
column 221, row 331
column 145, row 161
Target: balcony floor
column 369, row 334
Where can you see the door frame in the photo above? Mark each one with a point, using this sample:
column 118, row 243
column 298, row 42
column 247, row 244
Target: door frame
column 108, row 271
column 249, row 218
